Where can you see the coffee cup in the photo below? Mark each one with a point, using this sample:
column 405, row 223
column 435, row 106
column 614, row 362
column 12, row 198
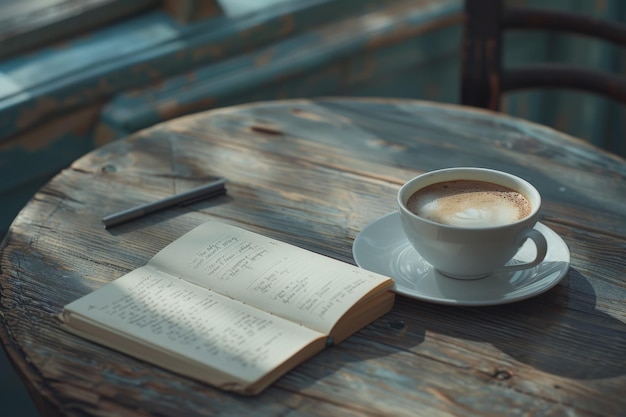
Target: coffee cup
column 470, row 222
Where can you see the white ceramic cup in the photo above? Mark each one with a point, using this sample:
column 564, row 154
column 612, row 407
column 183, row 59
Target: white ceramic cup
column 471, row 252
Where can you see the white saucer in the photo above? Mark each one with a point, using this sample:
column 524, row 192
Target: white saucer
column 382, row 247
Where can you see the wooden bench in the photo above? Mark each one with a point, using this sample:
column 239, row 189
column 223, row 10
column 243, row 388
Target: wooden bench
column 408, row 49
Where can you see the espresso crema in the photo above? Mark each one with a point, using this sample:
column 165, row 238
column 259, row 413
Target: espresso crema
column 469, row 203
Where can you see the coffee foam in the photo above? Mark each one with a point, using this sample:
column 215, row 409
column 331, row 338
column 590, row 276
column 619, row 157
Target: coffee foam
column 469, row 203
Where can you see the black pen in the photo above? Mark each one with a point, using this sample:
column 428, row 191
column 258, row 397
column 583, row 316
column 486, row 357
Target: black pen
column 210, row 190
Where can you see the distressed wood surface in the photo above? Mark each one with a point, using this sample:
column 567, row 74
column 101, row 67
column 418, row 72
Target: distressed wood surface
column 30, row 159
column 27, row 24
column 348, row 57
column 144, row 51
column 186, row 11
column 313, row 173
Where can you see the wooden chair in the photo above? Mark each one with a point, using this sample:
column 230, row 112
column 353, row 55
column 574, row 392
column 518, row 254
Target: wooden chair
column 483, row 77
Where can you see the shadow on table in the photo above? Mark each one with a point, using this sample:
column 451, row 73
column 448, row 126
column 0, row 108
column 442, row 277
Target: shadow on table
column 585, row 343
column 560, row 332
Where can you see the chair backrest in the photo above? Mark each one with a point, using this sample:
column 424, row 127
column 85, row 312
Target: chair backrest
column 483, row 77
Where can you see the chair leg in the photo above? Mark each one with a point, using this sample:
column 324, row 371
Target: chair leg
column 480, row 54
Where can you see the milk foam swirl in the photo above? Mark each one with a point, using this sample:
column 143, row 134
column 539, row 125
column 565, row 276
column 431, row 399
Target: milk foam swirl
column 469, row 204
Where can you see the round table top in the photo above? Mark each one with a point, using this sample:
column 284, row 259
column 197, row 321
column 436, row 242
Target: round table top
column 314, row 173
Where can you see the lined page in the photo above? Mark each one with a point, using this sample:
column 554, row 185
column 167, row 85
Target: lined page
column 184, row 319
column 300, row 285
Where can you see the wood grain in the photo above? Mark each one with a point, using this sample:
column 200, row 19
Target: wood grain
column 313, row 173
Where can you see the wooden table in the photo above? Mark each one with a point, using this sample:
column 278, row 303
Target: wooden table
column 314, row 173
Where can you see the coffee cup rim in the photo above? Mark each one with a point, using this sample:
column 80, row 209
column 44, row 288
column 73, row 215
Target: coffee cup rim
column 451, row 174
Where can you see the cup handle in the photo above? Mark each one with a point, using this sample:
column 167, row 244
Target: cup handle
column 542, row 248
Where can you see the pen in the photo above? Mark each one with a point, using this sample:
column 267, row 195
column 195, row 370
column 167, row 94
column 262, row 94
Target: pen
column 210, row 190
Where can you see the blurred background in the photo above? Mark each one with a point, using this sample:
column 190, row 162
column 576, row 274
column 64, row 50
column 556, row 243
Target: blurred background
column 77, row 74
